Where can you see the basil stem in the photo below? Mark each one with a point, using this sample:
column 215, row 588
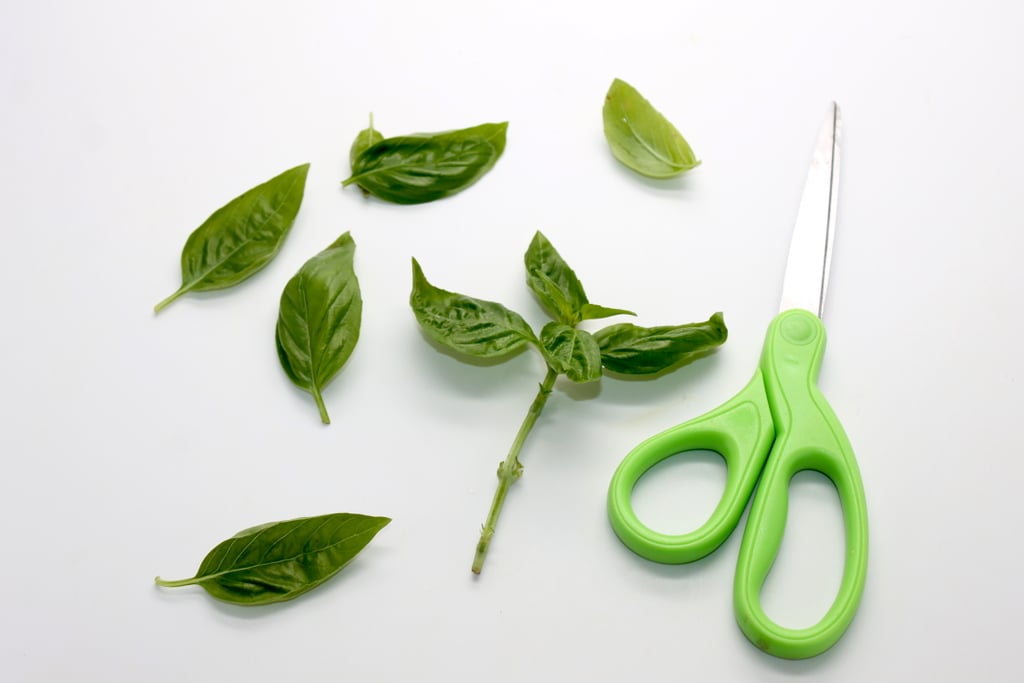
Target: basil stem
column 511, row 468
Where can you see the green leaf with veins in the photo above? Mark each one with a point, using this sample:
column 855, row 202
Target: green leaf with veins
column 475, row 327
column 632, row 350
column 241, row 237
column 280, row 561
column 556, row 286
column 641, row 138
column 423, row 167
column 571, row 352
column 319, row 319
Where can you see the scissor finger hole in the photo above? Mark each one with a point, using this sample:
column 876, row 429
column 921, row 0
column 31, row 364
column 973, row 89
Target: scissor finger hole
column 805, row 578
column 678, row 495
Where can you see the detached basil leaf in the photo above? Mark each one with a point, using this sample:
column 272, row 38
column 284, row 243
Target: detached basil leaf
column 571, row 352
column 475, row 327
column 632, row 350
column 318, row 322
column 556, row 286
column 242, row 236
column 641, row 138
column 281, row 560
column 366, row 139
column 418, row 168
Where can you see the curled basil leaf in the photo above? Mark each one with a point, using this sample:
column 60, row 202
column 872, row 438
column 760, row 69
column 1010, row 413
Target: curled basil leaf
column 282, row 560
column 242, row 236
column 475, row 327
column 556, row 286
column 571, row 352
column 641, row 138
column 319, row 319
column 367, row 138
column 632, row 350
column 413, row 169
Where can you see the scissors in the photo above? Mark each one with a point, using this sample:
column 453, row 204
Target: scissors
column 778, row 425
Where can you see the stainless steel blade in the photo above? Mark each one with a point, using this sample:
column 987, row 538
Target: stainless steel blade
column 810, row 253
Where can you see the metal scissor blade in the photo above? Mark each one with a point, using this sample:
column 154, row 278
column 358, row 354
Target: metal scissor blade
column 810, row 252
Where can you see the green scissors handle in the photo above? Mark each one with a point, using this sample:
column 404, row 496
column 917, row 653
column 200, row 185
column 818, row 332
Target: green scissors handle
column 778, row 425
column 741, row 431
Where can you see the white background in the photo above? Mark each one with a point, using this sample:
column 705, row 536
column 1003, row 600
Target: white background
column 133, row 443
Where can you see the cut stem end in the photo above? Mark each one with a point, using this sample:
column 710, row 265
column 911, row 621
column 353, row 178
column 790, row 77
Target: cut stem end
column 324, row 417
column 166, row 302
column 511, row 469
column 175, row 584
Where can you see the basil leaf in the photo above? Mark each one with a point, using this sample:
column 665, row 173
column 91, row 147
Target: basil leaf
column 554, row 283
column 632, row 350
column 594, row 312
column 242, row 236
column 414, row 169
column 475, row 327
column 366, row 139
column 571, row 352
column 641, row 138
column 281, row 560
column 557, row 288
column 319, row 318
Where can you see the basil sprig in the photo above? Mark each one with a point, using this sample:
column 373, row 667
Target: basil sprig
column 242, row 236
column 319, row 319
column 486, row 329
column 640, row 137
column 423, row 167
column 282, row 560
